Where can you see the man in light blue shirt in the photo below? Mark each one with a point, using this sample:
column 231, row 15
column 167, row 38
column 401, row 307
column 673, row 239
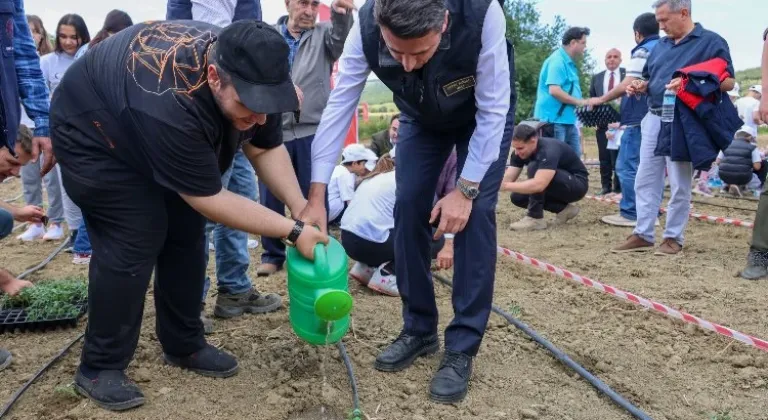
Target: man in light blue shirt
column 559, row 91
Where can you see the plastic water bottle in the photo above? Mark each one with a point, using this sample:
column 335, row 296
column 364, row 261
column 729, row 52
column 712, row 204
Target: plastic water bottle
column 668, row 106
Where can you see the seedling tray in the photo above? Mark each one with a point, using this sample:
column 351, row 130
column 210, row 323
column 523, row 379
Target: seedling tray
column 16, row 319
column 599, row 116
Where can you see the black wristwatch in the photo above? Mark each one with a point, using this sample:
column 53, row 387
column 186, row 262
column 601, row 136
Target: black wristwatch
column 292, row 237
column 469, row 191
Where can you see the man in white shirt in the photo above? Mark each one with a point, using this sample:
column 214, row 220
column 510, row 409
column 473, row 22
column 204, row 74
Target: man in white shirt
column 356, row 160
column 602, row 83
column 748, row 106
column 450, row 69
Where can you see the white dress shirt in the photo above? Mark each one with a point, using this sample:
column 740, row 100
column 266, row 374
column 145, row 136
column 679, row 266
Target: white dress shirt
column 607, row 79
column 215, row 12
column 492, row 93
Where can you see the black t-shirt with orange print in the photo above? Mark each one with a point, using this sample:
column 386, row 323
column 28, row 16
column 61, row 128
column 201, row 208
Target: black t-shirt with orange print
column 141, row 98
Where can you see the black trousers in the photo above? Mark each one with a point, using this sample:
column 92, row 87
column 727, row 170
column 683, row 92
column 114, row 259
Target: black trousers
column 135, row 227
column 374, row 254
column 564, row 189
column 609, row 179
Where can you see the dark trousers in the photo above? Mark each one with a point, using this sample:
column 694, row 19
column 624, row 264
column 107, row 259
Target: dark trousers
column 421, row 154
column 762, row 173
column 608, row 177
column 564, row 189
column 135, row 227
column 374, row 254
column 300, row 151
column 760, row 231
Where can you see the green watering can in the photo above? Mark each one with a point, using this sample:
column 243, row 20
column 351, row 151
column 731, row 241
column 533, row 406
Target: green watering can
column 320, row 302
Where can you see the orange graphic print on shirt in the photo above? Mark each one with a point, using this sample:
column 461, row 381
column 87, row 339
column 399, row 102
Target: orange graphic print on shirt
column 170, row 57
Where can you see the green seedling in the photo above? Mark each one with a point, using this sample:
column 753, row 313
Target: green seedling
column 66, row 392
column 53, row 299
column 721, row 415
column 515, row 310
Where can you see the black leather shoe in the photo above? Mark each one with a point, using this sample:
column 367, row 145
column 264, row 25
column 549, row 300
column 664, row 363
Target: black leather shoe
column 404, row 350
column 450, row 383
column 209, row 361
column 111, row 390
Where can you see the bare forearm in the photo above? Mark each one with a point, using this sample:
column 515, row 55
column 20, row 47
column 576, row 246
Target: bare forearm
column 727, row 85
column 240, row 213
column 276, row 171
column 619, row 90
column 530, row 186
column 765, row 67
column 563, row 97
column 317, row 193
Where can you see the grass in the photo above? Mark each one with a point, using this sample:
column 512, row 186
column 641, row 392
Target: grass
column 515, row 310
column 50, row 299
column 721, row 415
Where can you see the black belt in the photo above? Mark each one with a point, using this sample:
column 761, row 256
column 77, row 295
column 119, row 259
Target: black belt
column 656, row 112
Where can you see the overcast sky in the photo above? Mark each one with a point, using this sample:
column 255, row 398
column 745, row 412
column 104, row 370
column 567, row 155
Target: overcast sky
column 740, row 22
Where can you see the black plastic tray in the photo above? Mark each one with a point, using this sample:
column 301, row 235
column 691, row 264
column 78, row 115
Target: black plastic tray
column 13, row 319
column 599, row 116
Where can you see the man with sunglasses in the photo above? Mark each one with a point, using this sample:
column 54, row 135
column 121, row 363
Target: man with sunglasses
column 450, row 69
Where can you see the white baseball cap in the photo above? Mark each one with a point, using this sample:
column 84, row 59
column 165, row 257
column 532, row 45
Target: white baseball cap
column 734, row 91
column 357, row 152
column 756, row 88
column 749, row 130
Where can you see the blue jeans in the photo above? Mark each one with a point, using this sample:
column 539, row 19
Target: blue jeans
column 569, row 134
column 300, row 152
column 6, row 223
column 232, row 257
column 82, row 244
column 626, row 169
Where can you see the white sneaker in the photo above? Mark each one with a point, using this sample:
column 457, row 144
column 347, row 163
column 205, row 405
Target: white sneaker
column 384, row 281
column 55, row 232
column 34, row 231
column 362, row 273
column 211, row 248
column 618, row 220
column 253, row 244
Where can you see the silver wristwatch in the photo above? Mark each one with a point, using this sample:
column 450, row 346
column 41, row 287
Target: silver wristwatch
column 469, row 191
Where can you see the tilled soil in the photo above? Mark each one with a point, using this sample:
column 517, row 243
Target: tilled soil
column 668, row 369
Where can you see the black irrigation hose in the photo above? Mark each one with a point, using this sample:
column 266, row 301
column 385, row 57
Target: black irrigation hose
column 565, row 359
column 39, row 373
column 356, row 413
column 63, row 351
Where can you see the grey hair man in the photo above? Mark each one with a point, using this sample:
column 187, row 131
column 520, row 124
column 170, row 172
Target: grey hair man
column 687, row 43
column 314, row 47
column 450, row 70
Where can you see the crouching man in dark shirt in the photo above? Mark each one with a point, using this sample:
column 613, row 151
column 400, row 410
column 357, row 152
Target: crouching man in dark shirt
column 143, row 127
column 556, row 179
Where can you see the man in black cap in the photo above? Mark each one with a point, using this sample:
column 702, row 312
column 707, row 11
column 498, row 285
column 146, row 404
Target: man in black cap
column 143, row 127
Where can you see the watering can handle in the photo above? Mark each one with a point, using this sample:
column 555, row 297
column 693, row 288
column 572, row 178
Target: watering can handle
column 322, row 269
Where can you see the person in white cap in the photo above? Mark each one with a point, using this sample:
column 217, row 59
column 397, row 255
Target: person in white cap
column 735, row 93
column 742, row 162
column 748, row 106
column 356, row 161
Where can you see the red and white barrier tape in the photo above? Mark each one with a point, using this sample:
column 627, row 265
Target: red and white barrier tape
column 630, row 297
column 692, row 215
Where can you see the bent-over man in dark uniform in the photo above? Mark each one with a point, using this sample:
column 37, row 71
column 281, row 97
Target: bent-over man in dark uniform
column 143, row 126
column 447, row 63
column 557, row 178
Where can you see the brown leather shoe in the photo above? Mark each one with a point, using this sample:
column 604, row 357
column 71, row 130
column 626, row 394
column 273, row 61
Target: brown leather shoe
column 633, row 243
column 669, row 247
column 267, row 269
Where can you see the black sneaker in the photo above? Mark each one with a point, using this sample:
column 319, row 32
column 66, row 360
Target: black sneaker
column 450, row 383
column 111, row 390
column 404, row 350
column 209, row 361
column 252, row 302
column 5, row 358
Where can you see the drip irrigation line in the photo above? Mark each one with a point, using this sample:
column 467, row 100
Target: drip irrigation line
column 47, row 260
column 39, row 373
column 63, row 351
column 706, row 203
column 565, row 359
column 356, row 413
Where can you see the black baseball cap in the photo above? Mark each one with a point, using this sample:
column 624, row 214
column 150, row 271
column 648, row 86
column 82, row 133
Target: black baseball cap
column 256, row 56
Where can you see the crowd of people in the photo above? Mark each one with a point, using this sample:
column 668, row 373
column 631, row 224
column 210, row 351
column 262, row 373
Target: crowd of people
column 148, row 164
